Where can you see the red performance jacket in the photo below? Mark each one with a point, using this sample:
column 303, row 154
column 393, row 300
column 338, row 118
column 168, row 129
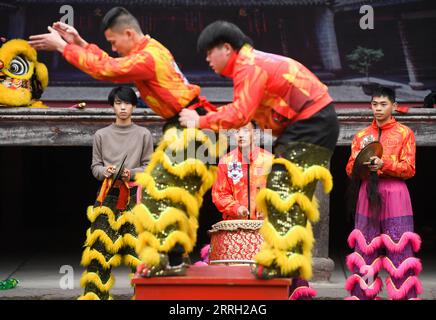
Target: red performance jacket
column 230, row 191
column 272, row 89
column 399, row 148
column 150, row 66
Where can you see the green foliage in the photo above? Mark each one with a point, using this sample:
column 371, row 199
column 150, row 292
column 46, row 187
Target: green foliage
column 361, row 59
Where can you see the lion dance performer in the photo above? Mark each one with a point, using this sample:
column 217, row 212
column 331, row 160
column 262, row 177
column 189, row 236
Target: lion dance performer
column 383, row 236
column 284, row 96
column 119, row 151
column 175, row 181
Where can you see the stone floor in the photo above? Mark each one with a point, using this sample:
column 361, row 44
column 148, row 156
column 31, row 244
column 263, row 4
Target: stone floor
column 41, row 278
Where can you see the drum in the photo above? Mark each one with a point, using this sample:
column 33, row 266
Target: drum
column 235, row 241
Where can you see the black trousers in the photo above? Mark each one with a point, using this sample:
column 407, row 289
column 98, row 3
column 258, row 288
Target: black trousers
column 321, row 129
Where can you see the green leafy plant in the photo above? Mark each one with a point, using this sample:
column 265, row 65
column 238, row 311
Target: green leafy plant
column 361, row 59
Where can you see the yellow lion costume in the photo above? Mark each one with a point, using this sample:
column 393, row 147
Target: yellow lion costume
column 22, row 78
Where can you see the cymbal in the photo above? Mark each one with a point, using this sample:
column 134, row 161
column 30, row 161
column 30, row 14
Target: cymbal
column 371, row 149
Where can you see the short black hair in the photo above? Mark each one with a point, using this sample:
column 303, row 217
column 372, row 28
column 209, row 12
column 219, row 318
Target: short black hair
column 381, row 91
column 220, row 32
column 119, row 17
column 125, row 94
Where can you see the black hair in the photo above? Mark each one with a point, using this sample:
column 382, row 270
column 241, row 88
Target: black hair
column 125, row 94
column 381, row 91
column 372, row 193
column 119, row 17
column 220, row 32
column 254, row 124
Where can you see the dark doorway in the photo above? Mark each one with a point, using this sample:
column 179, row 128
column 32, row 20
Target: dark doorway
column 44, row 194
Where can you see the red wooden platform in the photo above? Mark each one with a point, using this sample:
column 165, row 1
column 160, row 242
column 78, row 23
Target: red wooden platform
column 212, row 283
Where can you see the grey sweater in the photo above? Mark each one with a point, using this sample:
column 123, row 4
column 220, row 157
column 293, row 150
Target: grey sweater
column 112, row 142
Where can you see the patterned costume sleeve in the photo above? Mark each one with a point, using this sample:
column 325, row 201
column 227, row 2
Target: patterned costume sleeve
column 354, row 152
column 222, row 194
column 98, row 64
column 402, row 166
column 249, row 87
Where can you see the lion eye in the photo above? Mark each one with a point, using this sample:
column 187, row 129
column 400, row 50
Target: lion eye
column 18, row 66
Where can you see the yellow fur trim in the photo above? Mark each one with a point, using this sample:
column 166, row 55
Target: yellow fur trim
column 14, row 98
column 265, row 257
column 178, row 195
column 149, row 255
column 93, row 277
column 168, row 217
column 89, row 296
column 112, row 247
column 41, row 74
column 38, row 105
column 148, row 239
column 177, row 140
column 293, row 263
column 92, row 254
column 92, row 213
column 131, row 261
column 125, row 217
column 287, row 265
column 186, row 168
column 275, row 249
column 130, row 240
column 300, row 178
column 297, row 234
column 268, row 195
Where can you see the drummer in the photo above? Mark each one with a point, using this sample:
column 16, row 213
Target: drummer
column 377, row 233
column 241, row 174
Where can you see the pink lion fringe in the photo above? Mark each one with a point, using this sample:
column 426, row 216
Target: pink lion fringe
column 356, row 260
column 356, row 298
column 369, row 290
column 410, row 263
column 204, row 254
column 303, row 292
column 400, row 293
column 357, row 236
column 413, row 238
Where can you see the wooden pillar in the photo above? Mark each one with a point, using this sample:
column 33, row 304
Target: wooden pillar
column 323, row 266
column 326, row 39
column 408, row 57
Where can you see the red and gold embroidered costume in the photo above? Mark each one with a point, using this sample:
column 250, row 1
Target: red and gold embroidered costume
column 272, row 89
column 149, row 65
column 386, row 239
column 230, row 190
column 399, row 146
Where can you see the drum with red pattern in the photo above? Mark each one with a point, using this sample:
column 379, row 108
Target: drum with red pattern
column 235, row 241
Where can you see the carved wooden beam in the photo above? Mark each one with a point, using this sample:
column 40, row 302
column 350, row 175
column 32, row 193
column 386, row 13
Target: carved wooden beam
column 75, row 127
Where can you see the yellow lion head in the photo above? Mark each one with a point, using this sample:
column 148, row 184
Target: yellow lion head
column 22, row 77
